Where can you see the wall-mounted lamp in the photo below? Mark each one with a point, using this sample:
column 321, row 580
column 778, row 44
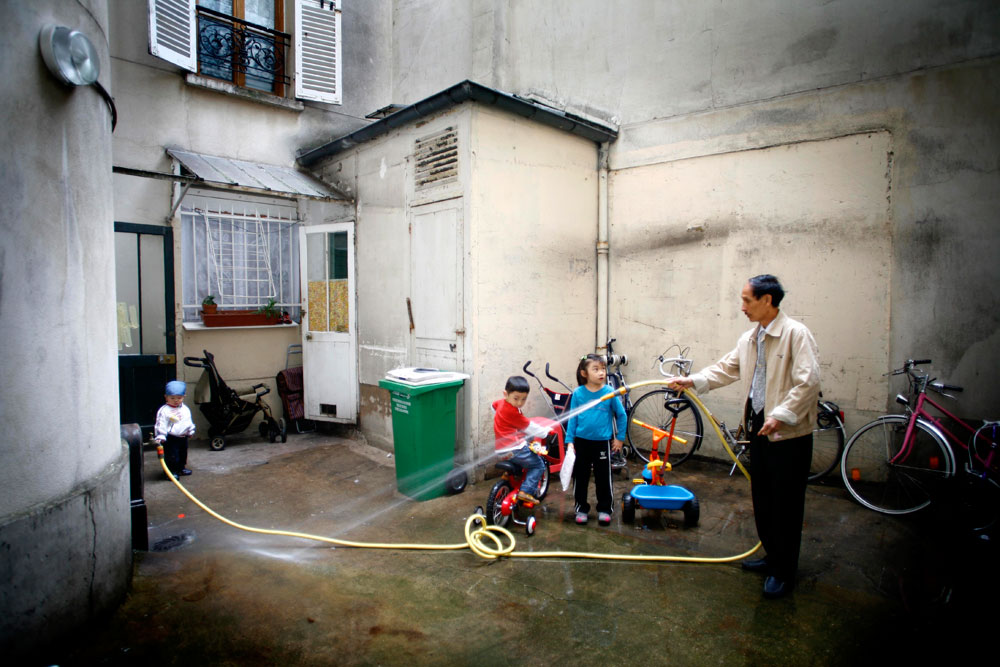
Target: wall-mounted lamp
column 72, row 58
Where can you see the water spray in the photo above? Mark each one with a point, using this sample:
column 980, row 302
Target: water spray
column 493, row 542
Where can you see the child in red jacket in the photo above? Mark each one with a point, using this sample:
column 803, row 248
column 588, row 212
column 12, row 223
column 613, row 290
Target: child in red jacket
column 512, row 429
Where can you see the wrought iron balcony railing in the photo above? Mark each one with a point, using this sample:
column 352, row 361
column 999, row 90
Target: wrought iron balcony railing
column 247, row 54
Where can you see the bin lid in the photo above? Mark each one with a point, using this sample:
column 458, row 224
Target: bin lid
column 419, row 377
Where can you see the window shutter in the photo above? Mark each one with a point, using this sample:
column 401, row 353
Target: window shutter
column 172, row 32
column 317, row 50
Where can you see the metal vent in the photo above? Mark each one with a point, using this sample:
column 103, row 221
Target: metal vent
column 436, row 159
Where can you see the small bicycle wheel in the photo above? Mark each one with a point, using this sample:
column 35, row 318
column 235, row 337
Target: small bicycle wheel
column 494, row 506
column 529, row 525
column 828, row 443
column 662, row 408
column 543, row 486
column 882, row 477
column 282, row 429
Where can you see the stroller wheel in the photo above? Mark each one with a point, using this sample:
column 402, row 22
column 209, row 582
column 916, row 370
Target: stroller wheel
column 217, row 444
column 283, row 429
column 264, row 429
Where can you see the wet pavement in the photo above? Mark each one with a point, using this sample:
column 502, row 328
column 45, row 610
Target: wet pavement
column 870, row 587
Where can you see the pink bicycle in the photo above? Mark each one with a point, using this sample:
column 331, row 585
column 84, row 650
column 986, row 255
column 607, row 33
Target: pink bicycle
column 898, row 464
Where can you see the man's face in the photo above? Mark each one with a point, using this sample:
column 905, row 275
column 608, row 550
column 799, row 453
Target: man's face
column 755, row 309
column 516, row 398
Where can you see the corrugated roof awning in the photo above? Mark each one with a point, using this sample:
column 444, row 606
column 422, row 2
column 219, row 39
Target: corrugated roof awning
column 254, row 176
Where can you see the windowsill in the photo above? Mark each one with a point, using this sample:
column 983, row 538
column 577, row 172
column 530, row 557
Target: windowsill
column 199, row 326
column 248, row 94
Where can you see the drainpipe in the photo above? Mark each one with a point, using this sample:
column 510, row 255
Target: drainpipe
column 603, row 287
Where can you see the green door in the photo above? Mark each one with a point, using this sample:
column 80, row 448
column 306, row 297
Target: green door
column 144, row 288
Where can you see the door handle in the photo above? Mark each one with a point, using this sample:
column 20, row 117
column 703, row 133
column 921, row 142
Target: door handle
column 309, row 336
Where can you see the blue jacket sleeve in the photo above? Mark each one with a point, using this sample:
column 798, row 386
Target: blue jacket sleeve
column 571, row 423
column 621, row 422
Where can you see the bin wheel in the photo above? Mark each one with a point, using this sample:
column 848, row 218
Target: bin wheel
column 217, row 444
column 479, row 522
column 263, row 428
column 456, row 481
column 691, row 513
column 529, row 526
column 628, row 508
column 283, row 429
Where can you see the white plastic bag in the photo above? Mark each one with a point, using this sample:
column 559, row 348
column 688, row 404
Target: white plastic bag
column 566, row 472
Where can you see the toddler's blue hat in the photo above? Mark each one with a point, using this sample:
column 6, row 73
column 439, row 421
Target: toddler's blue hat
column 176, row 388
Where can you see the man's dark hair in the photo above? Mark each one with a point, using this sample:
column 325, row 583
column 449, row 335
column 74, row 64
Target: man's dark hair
column 517, row 383
column 767, row 284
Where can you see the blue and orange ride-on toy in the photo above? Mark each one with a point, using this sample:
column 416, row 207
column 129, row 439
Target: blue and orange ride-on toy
column 651, row 493
column 502, row 506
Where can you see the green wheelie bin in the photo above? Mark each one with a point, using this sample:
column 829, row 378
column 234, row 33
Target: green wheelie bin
column 423, row 430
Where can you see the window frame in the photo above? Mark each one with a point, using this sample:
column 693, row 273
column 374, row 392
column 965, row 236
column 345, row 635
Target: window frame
column 199, row 278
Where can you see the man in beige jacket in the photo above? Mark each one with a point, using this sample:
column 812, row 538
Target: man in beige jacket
column 781, row 390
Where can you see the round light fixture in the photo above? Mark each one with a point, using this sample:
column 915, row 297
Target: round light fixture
column 69, row 55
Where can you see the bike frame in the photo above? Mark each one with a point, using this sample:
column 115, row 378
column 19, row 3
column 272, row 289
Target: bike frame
column 920, row 413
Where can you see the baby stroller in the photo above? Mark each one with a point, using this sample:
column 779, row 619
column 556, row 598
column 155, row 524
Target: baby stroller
column 229, row 410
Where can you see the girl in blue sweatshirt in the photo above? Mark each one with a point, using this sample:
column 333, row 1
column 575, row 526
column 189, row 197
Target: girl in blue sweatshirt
column 592, row 434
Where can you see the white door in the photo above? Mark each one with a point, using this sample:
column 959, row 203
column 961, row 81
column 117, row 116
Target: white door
column 436, row 285
column 329, row 325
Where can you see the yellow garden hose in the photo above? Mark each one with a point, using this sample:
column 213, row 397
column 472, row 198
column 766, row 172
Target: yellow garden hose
column 484, row 540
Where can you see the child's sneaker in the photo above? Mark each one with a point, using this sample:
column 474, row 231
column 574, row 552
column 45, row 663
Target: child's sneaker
column 603, row 518
column 581, row 518
column 526, row 497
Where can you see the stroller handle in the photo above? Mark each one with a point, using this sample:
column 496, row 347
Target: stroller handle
column 525, row 369
column 195, row 362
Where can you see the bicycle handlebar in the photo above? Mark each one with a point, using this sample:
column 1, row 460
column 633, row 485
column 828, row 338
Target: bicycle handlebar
column 683, row 365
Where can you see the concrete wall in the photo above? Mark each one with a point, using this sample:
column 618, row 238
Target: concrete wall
column 532, row 283
column 65, row 531
column 686, row 235
column 690, row 80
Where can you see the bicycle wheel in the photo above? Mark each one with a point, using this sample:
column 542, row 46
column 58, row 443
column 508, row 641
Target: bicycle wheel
column 899, row 486
column 662, row 408
column 828, row 444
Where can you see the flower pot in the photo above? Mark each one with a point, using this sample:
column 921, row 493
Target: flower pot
column 238, row 318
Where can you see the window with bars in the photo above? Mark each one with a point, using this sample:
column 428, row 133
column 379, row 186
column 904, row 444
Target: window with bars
column 242, row 252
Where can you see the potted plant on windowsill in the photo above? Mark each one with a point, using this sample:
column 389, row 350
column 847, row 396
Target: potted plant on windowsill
column 267, row 314
column 208, row 305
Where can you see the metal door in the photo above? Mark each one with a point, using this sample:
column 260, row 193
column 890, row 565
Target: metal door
column 436, row 286
column 329, row 323
column 144, row 287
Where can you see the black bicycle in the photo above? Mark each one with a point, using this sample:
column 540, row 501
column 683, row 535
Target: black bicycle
column 667, row 410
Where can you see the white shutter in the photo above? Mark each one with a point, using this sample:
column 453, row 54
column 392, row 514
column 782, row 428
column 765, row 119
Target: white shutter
column 172, row 34
column 317, row 50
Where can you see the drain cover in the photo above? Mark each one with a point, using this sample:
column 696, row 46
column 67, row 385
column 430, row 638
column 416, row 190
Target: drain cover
column 172, row 542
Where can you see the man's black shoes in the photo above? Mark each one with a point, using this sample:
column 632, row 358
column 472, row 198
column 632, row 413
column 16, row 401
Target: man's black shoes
column 757, row 565
column 775, row 588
